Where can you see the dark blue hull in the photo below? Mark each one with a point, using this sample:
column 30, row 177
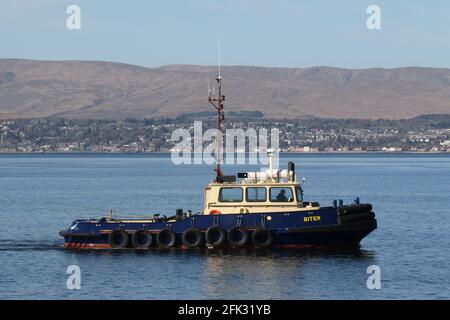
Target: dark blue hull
column 326, row 227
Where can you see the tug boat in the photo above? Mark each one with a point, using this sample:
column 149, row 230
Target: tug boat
column 251, row 209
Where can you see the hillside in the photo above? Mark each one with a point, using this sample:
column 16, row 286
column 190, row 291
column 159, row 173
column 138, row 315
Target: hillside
column 84, row 89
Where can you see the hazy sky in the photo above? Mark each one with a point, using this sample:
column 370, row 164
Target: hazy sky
column 285, row 33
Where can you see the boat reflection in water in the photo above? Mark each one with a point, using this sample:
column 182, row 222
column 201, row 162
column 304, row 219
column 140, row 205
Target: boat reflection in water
column 279, row 274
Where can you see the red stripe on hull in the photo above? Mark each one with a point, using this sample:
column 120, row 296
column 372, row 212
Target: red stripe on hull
column 75, row 245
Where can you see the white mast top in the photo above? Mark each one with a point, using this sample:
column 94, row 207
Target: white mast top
column 218, row 56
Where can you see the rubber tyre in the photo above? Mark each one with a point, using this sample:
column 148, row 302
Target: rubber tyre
column 140, row 235
column 166, row 239
column 118, row 239
column 262, row 238
column 188, row 234
column 356, row 217
column 354, row 209
column 238, row 237
column 215, row 236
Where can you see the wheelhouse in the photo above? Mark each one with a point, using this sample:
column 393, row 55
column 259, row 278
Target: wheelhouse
column 232, row 198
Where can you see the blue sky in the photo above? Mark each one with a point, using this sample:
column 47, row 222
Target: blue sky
column 284, row 33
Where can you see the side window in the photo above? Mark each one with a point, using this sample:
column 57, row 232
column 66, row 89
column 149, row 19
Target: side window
column 281, row 194
column 230, row 195
column 256, row 194
column 299, row 193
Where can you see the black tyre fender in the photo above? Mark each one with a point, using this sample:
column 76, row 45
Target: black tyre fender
column 166, row 239
column 118, row 239
column 356, row 217
column 238, row 232
column 262, row 237
column 215, row 236
column 192, row 232
column 142, row 239
column 354, row 209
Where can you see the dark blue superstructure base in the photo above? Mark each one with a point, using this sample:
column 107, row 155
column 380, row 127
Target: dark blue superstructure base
column 327, row 226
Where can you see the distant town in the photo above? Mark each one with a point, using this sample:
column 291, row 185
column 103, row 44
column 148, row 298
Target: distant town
column 427, row 133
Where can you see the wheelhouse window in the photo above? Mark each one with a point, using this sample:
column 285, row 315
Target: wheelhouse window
column 256, row 194
column 233, row 194
column 280, row 194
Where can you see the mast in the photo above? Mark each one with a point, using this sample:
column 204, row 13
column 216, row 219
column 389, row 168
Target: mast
column 217, row 102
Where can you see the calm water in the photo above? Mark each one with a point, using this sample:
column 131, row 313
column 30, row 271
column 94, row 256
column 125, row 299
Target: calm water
column 41, row 194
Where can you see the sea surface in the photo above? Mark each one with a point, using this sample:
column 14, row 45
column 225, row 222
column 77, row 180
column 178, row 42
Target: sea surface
column 41, row 194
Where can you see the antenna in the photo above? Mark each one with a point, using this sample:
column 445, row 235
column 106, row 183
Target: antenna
column 218, row 54
column 217, row 102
